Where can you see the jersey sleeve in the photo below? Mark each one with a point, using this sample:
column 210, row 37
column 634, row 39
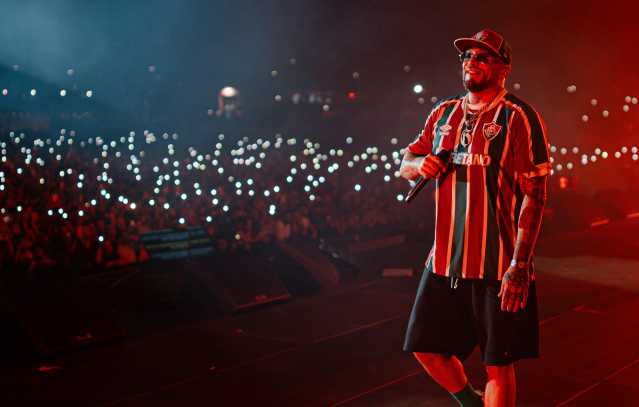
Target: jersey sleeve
column 423, row 143
column 530, row 144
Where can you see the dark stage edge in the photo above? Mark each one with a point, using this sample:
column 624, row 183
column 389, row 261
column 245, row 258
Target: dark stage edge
column 344, row 349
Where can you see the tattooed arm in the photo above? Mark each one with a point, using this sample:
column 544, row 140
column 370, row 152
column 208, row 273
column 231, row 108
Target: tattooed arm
column 514, row 287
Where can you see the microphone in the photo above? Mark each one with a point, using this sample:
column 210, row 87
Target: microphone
column 443, row 155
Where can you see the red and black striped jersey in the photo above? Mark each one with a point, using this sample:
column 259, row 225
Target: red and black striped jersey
column 478, row 199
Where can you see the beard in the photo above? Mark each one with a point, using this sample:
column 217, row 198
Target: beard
column 477, row 85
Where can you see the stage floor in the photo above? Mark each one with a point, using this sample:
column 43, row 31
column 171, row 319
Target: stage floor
column 343, row 348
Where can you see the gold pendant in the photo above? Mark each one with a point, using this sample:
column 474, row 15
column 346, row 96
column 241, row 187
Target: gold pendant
column 466, row 138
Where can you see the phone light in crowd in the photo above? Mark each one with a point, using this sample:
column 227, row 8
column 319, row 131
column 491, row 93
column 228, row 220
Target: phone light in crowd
column 94, row 202
column 225, row 208
column 358, row 187
column 400, row 197
column 387, row 178
column 271, row 210
column 311, row 197
column 80, row 213
column 89, row 93
column 418, row 88
column 215, row 201
column 276, row 189
column 184, row 196
column 166, row 205
column 63, row 92
column 100, row 238
column 5, row 92
column 33, row 92
column 181, row 221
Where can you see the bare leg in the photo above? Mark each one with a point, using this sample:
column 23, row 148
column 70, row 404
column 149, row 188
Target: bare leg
column 501, row 389
column 448, row 372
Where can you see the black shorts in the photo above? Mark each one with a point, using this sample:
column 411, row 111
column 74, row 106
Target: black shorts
column 452, row 321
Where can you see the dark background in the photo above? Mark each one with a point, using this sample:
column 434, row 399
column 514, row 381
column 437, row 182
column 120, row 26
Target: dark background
column 199, row 47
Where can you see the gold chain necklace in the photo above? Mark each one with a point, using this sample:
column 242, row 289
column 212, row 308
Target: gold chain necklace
column 469, row 123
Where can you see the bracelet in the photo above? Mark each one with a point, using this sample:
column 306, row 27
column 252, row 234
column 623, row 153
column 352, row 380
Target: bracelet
column 521, row 264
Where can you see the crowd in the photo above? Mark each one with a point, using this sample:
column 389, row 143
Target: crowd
column 73, row 203
column 79, row 204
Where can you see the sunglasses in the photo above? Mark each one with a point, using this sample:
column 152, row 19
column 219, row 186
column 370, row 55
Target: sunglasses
column 482, row 58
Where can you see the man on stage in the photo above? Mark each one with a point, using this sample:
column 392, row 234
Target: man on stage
column 478, row 286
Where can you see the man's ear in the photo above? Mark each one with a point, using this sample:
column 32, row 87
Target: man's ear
column 505, row 71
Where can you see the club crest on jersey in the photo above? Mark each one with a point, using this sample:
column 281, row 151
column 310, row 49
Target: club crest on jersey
column 491, row 130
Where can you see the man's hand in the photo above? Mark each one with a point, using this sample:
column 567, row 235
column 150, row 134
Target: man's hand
column 431, row 167
column 514, row 289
